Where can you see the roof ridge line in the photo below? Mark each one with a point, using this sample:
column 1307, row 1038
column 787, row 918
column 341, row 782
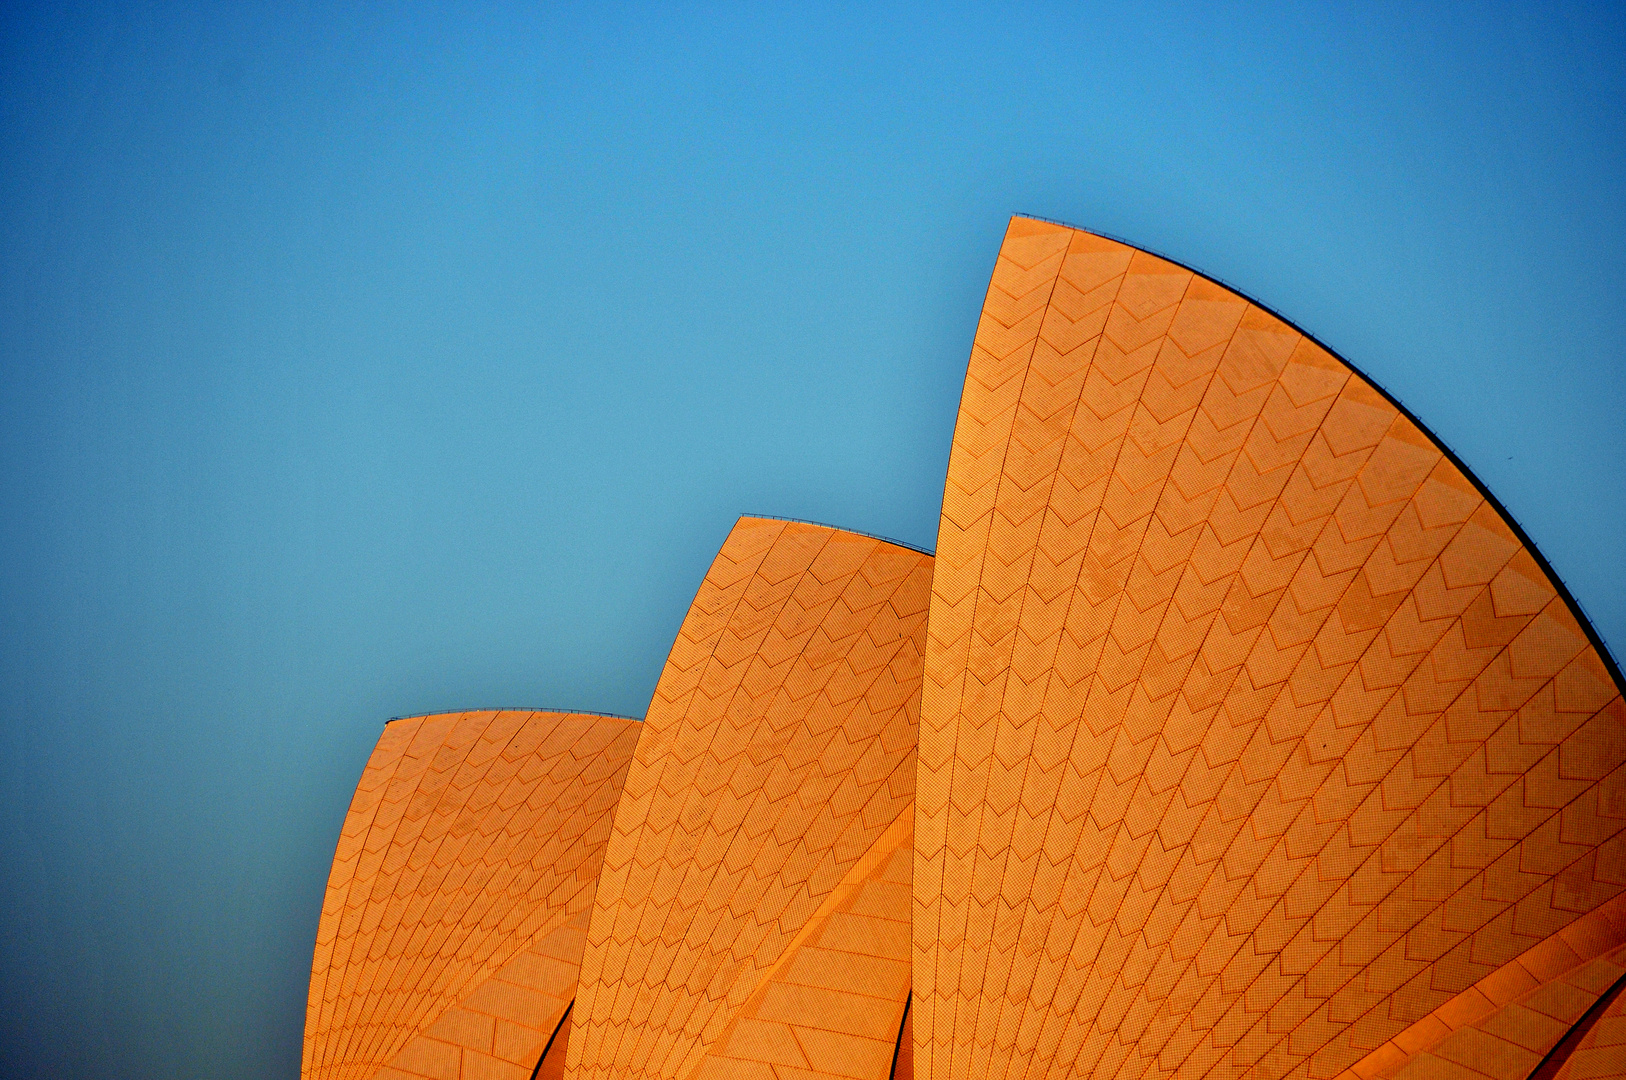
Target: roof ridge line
column 1593, row 636
column 514, row 708
column 842, row 528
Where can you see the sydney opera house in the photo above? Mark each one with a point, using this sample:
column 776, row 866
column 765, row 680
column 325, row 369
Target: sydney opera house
column 1232, row 731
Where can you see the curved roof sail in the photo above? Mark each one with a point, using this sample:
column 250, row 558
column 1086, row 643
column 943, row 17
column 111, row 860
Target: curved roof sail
column 457, row 906
column 1234, row 732
column 1253, row 733
column 753, row 911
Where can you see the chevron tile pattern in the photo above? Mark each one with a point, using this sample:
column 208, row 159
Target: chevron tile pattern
column 1490, row 1002
column 457, row 905
column 832, row 1004
column 499, row 1029
column 1233, row 733
column 1251, row 733
column 778, row 748
column 1511, row 1042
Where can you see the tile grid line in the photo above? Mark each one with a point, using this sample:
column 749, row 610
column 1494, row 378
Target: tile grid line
column 560, row 914
column 1219, row 859
column 1256, row 539
column 338, row 1042
column 1218, row 614
column 711, row 659
column 1085, row 550
column 1376, row 849
column 1592, row 632
column 1513, row 905
column 976, row 600
column 1094, row 345
column 509, row 785
column 402, row 931
column 1363, row 470
column 1073, row 1018
column 310, row 1051
column 888, row 602
column 1100, row 509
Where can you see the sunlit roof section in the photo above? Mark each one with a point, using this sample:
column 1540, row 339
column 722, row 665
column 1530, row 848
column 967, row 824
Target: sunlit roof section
column 1253, row 732
column 769, row 790
column 457, row 906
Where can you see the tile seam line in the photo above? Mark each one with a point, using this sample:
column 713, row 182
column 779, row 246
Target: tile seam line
column 934, row 905
column 1027, row 585
column 369, row 1044
column 1571, row 603
column 323, row 1040
column 344, row 1034
column 549, row 924
column 1215, row 374
column 983, row 996
column 1540, row 985
column 1356, row 371
column 678, row 633
column 976, row 600
column 712, row 658
column 1073, row 1021
column 1597, row 640
column 1376, row 849
column 1552, row 880
column 1331, row 522
column 1299, row 980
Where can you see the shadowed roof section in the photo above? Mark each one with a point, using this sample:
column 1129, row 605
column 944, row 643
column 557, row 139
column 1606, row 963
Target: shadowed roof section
column 1599, row 1052
column 1253, row 733
column 766, row 794
column 457, row 905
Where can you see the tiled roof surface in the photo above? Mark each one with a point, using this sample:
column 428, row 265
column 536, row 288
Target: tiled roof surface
column 831, row 1006
column 1233, row 733
column 1600, row 1052
column 456, row 908
column 778, row 748
column 1510, row 1042
column 1251, row 732
column 500, row 1029
column 1534, row 981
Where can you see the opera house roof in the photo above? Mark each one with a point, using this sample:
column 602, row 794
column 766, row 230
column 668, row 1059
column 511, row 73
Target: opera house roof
column 1234, row 731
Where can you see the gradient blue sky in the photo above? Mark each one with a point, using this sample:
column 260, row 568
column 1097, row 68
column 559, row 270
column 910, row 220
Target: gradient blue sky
column 359, row 361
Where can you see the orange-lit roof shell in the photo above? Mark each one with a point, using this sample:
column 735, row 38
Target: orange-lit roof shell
column 1254, row 741
column 457, row 905
column 1252, row 732
column 752, row 862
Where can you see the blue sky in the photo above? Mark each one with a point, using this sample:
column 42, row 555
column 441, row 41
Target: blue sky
column 367, row 360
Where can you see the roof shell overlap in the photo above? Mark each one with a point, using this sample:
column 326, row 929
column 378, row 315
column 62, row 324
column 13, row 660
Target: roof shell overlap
column 473, row 841
column 1234, row 730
